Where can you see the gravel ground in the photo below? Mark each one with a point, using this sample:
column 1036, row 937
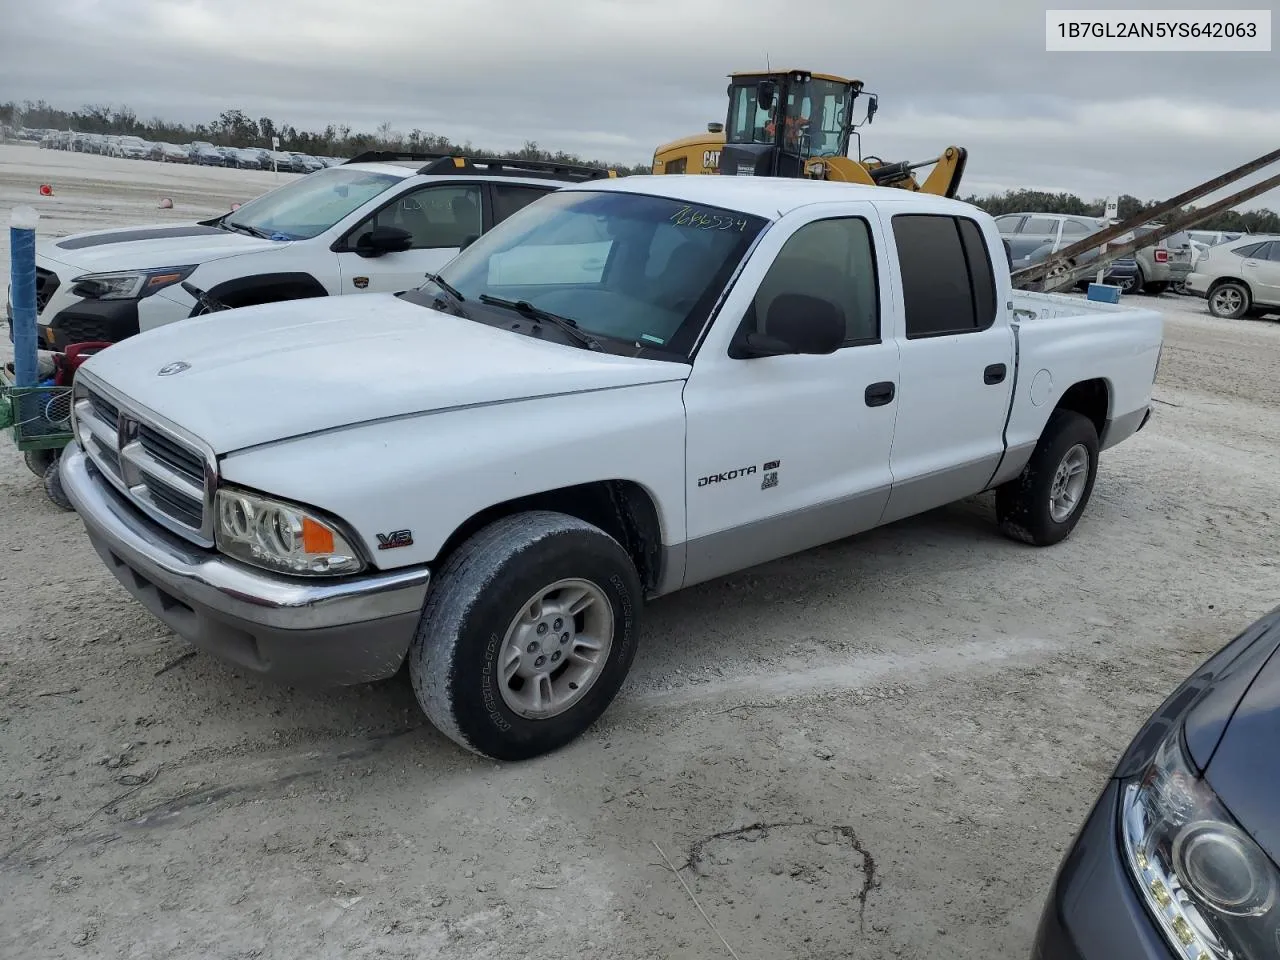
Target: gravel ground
column 875, row 749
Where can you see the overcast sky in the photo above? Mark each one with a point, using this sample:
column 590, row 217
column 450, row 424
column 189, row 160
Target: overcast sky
column 611, row 79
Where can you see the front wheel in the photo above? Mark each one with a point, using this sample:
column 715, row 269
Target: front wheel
column 527, row 634
column 1043, row 504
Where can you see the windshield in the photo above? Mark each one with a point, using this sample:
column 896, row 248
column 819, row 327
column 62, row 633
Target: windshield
column 816, row 114
column 308, row 207
column 640, row 270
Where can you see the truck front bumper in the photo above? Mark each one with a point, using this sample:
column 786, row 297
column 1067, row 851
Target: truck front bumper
column 330, row 633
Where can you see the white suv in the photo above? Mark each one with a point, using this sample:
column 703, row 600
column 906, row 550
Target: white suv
column 1239, row 277
column 376, row 223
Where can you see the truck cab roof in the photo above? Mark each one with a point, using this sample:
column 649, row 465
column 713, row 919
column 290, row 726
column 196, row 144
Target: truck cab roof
column 765, row 197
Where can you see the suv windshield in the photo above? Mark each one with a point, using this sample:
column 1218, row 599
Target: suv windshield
column 638, row 269
column 308, row 207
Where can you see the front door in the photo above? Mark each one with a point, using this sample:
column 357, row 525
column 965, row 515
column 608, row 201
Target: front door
column 439, row 217
column 957, row 360
column 788, row 452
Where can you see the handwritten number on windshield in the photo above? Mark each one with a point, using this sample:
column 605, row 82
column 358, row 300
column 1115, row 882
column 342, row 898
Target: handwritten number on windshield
column 686, row 216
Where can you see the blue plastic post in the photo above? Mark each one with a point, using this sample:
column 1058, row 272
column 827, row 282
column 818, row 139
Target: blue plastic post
column 22, row 280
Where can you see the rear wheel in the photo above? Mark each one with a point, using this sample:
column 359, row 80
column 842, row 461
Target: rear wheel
column 527, row 634
column 1043, row 504
column 1229, row 300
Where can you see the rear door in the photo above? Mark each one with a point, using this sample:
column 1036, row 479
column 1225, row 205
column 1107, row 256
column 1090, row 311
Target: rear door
column 957, row 359
column 1262, row 272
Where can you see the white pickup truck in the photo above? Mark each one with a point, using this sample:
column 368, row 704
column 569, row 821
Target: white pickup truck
column 628, row 387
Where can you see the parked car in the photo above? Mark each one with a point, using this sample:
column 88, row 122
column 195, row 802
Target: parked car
column 1122, row 272
column 1211, row 238
column 1239, row 277
column 131, row 148
column 1178, row 857
column 307, row 164
column 206, row 154
column 170, row 153
column 622, row 390
column 286, row 162
column 357, row 228
column 1159, row 265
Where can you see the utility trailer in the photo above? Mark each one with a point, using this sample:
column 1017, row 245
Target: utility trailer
column 1062, row 270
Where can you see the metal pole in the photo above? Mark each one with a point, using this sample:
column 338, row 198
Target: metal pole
column 1174, row 224
column 22, row 279
column 1041, row 269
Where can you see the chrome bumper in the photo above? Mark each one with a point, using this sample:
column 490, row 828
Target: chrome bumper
column 351, row 631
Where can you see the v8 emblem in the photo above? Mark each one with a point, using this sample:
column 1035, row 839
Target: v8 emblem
column 396, row 538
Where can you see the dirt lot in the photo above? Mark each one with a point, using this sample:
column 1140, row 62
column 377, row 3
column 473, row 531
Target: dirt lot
column 877, row 749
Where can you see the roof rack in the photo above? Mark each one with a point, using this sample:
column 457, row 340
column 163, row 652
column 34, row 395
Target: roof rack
column 445, row 163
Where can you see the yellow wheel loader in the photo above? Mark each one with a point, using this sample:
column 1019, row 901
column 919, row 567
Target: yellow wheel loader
column 794, row 123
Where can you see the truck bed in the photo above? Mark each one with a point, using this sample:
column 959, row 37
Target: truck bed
column 1045, row 306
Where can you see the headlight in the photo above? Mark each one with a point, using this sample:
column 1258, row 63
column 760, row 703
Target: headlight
column 128, row 284
column 1210, row 887
column 281, row 536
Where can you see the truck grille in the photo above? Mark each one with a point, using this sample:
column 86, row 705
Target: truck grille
column 160, row 472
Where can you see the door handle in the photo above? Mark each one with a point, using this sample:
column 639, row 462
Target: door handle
column 878, row 394
column 994, row 374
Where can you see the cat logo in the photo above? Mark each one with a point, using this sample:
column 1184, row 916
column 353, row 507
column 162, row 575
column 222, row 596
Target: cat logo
column 711, row 159
column 360, row 283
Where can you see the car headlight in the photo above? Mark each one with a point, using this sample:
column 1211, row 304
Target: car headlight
column 281, row 536
column 1210, row 887
column 128, row 284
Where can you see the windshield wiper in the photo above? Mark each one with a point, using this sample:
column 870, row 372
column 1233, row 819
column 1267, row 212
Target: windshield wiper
column 245, row 228
column 540, row 316
column 445, row 286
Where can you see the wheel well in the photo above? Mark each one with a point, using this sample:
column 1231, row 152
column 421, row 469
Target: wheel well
column 1236, row 280
column 268, row 288
column 1092, row 398
column 622, row 508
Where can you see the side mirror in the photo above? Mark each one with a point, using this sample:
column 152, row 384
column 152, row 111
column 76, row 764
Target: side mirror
column 765, row 91
column 382, row 240
column 468, row 241
column 797, row 323
column 873, row 104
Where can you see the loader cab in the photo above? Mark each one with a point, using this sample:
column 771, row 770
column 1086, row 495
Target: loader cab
column 779, row 121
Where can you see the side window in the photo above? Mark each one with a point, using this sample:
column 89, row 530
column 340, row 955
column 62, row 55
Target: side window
column 507, row 199
column 436, row 216
column 831, row 259
column 947, row 280
column 1042, row 225
column 1248, row 250
column 1273, row 253
column 1266, row 251
column 1075, row 229
column 1008, row 225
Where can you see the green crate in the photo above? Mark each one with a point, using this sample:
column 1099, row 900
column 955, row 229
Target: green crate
column 39, row 417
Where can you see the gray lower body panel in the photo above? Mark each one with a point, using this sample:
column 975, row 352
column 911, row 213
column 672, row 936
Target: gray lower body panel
column 718, row 554
column 1124, row 426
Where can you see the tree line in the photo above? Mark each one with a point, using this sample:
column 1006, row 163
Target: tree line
column 235, row 128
